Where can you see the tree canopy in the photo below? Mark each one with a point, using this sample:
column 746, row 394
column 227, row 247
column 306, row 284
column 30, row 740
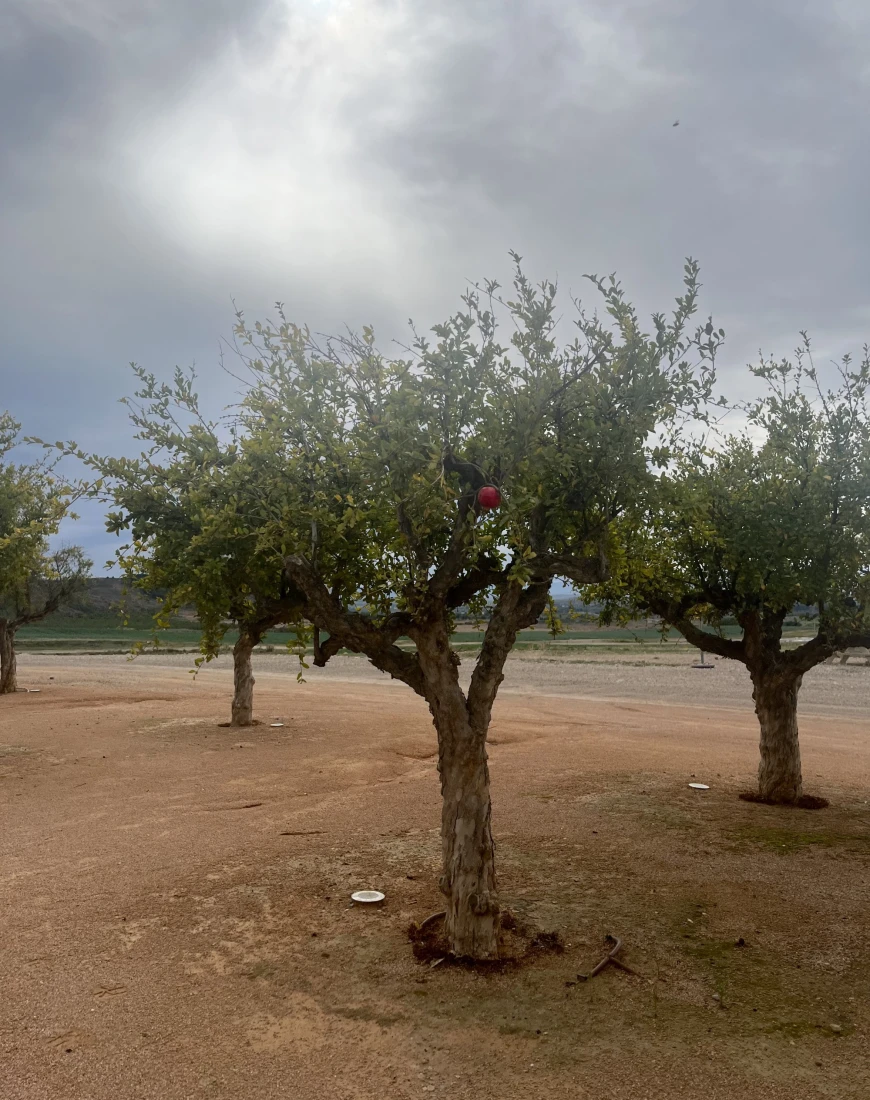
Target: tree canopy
column 35, row 579
column 32, row 504
column 379, row 456
column 185, row 502
column 756, row 523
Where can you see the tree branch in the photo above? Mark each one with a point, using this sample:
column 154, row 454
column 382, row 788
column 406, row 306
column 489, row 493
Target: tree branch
column 447, row 573
column 822, row 647
column 515, row 609
column 675, row 614
column 30, row 614
column 354, row 631
column 34, row 615
column 485, row 574
column 707, row 642
column 407, row 529
column 289, row 606
column 473, row 478
column 588, row 570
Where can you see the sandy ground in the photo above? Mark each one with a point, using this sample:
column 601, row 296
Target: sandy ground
column 175, row 893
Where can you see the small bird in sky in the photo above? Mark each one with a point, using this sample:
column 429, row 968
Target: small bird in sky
column 677, row 123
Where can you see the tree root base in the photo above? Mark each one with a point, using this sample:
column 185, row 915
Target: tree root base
column 518, row 943
column 805, row 802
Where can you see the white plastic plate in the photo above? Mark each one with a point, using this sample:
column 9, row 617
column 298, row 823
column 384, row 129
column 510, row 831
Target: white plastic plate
column 368, row 897
column 699, row 786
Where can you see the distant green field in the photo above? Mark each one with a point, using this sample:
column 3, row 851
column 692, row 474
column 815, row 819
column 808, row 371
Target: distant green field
column 105, row 635
column 585, row 634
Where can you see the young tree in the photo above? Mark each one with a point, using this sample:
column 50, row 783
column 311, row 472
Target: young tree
column 193, row 532
column 751, row 529
column 553, row 619
column 464, row 475
column 34, row 581
column 55, row 578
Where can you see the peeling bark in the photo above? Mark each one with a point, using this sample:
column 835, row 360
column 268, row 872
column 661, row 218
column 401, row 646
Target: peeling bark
column 467, row 848
column 8, row 671
column 243, row 680
column 468, row 879
column 468, row 852
column 779, row 771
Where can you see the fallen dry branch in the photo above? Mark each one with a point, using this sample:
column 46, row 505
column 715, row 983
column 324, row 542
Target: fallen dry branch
column 608, row 958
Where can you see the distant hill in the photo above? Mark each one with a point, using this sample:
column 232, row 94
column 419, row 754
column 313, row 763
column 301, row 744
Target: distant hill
column 103, row 598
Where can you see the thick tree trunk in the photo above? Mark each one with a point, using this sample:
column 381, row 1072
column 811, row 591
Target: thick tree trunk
column 8, row 677
column 467, row 848
column 779, row 771
column 468, row 853
column 243, row 681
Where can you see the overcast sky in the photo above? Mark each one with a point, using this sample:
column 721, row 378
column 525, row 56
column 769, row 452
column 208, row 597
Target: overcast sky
column 361, row 159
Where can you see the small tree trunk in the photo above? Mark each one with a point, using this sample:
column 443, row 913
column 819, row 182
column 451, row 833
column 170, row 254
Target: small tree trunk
column 8, row 677
column 779, row 771
column 467, row 849
column 243, row 680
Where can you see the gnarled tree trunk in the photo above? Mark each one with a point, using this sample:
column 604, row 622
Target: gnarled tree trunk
column 467, row 849
column 8, row 677
column 243, row 680
column 779, row 771
column 468, row 879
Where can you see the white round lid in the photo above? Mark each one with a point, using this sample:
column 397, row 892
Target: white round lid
column 367, row 896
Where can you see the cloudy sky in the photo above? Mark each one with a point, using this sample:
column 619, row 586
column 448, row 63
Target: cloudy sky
column 361, row 159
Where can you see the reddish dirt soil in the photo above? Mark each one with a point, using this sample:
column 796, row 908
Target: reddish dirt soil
column 176, row 918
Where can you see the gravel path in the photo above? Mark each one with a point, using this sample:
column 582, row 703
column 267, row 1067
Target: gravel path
column 837, row 690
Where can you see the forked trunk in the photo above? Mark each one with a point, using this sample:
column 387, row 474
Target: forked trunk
column 467, row 849
column 243, row 681
column 8, row 677
column 779, row 771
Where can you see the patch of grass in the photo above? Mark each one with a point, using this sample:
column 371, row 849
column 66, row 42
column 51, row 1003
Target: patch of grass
column 805, row 802
column 792, row 1029
column 788, row 841
column 262, row 969
column 107, row 635
column 719, row 958
column 801, row 1029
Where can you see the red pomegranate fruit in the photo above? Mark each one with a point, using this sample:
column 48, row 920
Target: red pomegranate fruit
column 488, row 498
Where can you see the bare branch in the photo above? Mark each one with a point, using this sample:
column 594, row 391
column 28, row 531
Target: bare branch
column 355, row 631
column 515, row 609
column 823, row 646
column 447, row 573
column 707, row 642
column 580, row 570
column 487, row 573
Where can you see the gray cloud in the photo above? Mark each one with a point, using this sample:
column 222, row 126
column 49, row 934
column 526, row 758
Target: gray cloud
column 359, row 159
column 761, row 180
